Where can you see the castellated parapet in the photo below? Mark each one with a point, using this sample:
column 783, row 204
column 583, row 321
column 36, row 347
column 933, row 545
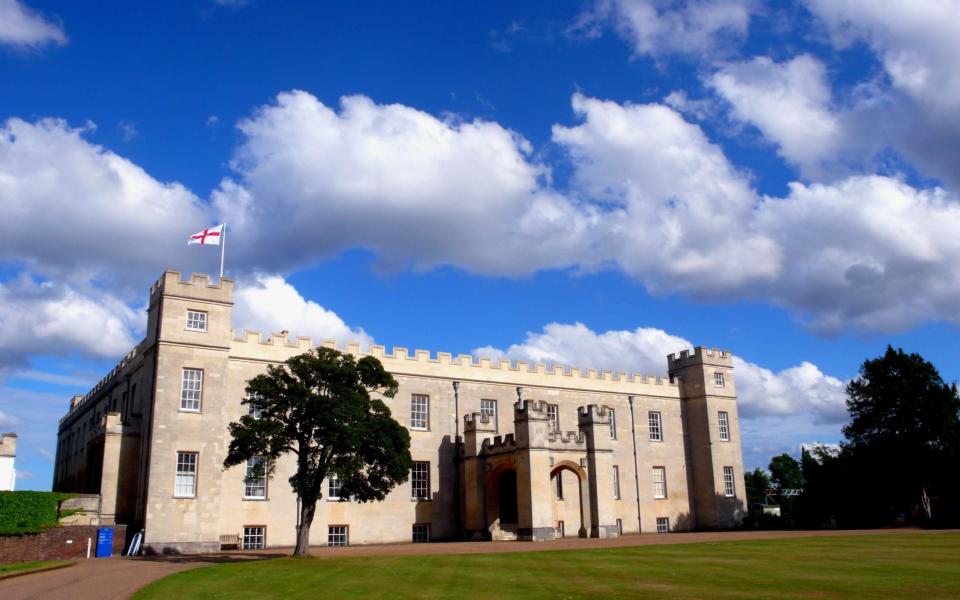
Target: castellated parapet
column 700, row 355
column 198, row 287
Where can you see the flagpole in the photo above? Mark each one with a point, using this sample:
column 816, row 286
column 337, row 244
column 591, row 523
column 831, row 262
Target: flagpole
column 223, row 246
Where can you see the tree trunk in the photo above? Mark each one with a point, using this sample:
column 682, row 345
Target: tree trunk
column 307, row 510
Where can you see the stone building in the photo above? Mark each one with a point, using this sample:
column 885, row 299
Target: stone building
column 8, row 456
column 502, row 450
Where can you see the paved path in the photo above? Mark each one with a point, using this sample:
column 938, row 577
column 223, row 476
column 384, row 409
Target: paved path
column 111, row 578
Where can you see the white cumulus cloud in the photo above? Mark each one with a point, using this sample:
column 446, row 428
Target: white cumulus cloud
column 417, row 190
column 664, row 27
column 44, row 318
column 271, row 304
column 74, row 211
column 21, row 26
column 915, row 107
column 791, row 103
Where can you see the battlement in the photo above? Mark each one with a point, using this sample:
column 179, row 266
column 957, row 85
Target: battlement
column 524, row 410
column 198, row 286
column 700, row 356
column 567, row 440
column 481, row 365
column 252, row 336
column 77, row 402
column 499, row 444
column 593, row 414
column 473, row 422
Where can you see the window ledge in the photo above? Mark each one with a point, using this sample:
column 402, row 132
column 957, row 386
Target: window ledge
column 421, row 499
column 255, row 499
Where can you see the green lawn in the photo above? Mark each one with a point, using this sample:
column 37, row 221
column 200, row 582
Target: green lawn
column 881, row 566
column 25, row 567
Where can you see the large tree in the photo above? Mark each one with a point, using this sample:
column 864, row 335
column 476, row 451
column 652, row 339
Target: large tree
column 317, row 406
column 785, row 472
column 904, row 434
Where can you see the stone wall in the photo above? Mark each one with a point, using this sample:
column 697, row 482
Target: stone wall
column 61, row 543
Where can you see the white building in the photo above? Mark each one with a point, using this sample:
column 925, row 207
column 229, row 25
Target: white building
column 8, row 453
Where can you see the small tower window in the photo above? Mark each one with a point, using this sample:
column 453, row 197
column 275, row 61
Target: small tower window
column 553, row 416
column 196, row 320
column 718, row 379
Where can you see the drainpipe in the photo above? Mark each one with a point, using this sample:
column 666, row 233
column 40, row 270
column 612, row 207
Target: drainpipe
column 636, row 470
column 458, row 522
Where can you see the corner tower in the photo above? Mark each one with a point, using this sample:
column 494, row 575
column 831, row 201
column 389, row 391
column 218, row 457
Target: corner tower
column 711, row 435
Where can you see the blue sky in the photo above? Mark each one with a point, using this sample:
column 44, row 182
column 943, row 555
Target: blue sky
column 592, row 183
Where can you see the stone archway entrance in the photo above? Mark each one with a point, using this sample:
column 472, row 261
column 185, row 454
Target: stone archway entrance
column 507, row 498
column 570, row 505
column 502, row 507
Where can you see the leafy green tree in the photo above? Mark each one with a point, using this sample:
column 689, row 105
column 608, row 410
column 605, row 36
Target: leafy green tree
column 756, row 483
column 785, row 472
column 904, row 433
column 317, row 406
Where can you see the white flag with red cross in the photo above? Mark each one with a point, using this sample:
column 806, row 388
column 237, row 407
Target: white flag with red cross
column 207, row 237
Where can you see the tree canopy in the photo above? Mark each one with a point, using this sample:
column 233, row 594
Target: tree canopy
column 785, row 472
column 317, row 407
column 901, row 452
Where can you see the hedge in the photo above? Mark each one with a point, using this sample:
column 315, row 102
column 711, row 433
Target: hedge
column 30, row 512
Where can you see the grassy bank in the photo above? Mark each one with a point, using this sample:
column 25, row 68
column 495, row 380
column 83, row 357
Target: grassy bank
column 905, row 566
column 20, row 568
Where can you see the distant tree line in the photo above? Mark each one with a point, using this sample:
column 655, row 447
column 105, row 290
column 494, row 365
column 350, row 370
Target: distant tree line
column 898, row 464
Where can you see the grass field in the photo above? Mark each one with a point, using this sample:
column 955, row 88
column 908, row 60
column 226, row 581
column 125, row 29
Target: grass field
column 19, row 568
column 882, row 566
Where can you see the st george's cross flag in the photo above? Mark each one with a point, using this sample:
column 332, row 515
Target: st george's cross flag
column 207, row 237
column 213, row 236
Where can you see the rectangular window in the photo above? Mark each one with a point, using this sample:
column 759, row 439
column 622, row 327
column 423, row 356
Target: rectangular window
column 656, row 432
column 421, row 534
column 559, row 478
column 488, row 408
column 337, row 535
column 186, row 483
column 718, row 379
column 729, row 489
column 253, row 538
column 333, row 488
column 553, row 415
column 420, row 480
column 191, row 388
column 663, row 525
column 616, row 482
column 560, row 529
column 255, row 483
column 419, row 411
column 196, row 320
column 252, row 410
column 613, row 424
column 619, row 526
column 659, row 482
column 724, row 426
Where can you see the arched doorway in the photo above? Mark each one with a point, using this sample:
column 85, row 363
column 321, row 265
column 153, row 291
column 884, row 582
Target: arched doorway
column 501, row 506
column 567, row 483
column 507, row 498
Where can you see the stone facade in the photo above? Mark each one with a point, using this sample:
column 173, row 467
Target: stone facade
column 504, row 450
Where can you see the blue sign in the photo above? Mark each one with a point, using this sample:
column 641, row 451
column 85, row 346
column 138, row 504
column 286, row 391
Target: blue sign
column 105, row 542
